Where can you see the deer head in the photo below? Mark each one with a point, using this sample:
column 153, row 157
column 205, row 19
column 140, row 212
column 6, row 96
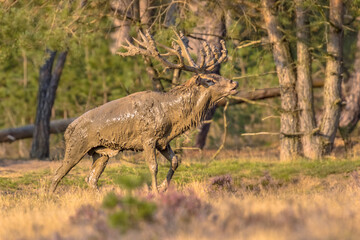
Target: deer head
column 210, row 57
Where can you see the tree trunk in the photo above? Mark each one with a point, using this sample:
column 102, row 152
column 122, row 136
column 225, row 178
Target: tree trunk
column 289, row 143
column 204, row 129
column 211, row 28
column 332, row 84
column 124, row 16
column 146, row 12
column 146, row 17
column 48, row 83
column 153, row 76
column 304, row 86
column 351, row 112
column 172, row 14
column 129, row 13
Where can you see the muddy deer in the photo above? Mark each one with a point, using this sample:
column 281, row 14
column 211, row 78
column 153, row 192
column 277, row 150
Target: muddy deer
column 148, row 121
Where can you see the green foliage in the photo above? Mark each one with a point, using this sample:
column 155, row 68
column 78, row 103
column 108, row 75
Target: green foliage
column 127, row 211
column 37, row 25
column 129, row 182
column 93, row 75
column 110, row 201
column 116, row 175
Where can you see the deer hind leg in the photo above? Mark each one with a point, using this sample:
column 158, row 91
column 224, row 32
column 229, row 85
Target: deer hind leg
column 97, row 168
column 174, row 163
column 150, row 157
column 72, row 157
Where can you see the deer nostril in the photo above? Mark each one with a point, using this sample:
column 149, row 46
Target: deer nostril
column 231, row 81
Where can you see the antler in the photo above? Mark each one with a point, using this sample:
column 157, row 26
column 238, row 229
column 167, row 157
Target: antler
column 210, row 55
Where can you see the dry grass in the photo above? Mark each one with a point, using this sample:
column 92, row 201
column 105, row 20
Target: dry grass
column 311, row 209
column 31, row 216
column 304, row 207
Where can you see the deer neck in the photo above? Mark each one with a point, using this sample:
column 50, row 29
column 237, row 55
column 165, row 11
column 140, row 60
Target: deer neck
column 189, row 107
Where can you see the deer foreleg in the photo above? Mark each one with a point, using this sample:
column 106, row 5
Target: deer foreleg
column 174, row 163
column 150, row 157
column 97, row 168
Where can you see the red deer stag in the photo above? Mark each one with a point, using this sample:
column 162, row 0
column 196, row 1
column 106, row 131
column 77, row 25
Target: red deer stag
column 147, row 121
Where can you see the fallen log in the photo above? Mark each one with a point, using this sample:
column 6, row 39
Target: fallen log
column 14, row 134
column 257, row 94
column 59, row 126
column 260, row 94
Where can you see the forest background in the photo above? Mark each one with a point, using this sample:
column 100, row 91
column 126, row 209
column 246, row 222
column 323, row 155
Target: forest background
column 89, row 33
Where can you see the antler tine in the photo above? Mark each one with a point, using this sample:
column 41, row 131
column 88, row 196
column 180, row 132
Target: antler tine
column 177, row 48
column 170, row 50
column 183, row 43
column 203, row 56
column 224, row 52
column 207, row 52
column 131, row 50
column 219, row 60
column 139, row 42
column 158, row 56
column 215, row 51
column 213, row 55
column 153, row 49
column 145, row 39
column 146, row 45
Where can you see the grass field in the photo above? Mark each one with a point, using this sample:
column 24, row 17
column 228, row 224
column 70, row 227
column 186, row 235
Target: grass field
column 231, row 198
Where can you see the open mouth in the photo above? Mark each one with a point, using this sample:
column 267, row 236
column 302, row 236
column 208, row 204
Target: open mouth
column 234, row 91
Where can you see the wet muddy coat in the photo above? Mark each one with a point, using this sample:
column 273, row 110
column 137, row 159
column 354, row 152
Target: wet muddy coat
column 143, row 121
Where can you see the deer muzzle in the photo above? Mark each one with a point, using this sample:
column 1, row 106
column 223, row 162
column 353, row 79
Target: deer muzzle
column 233, row 91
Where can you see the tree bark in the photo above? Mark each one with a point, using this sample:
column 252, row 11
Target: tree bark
column 146, row 18
column 289, row 143
column 351, row 112
column 204, row 129
column 171, row 14
column 129, row 13
column 304, row 86
column 333, row 78
column 124, row 15
column 211, row 28
column 153, row 76
column 48, row 83
column 146, row 13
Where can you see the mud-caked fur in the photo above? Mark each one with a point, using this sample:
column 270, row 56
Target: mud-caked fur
column 144, row 121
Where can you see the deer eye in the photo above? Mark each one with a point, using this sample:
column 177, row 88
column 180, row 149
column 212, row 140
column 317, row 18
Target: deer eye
column 209, row 82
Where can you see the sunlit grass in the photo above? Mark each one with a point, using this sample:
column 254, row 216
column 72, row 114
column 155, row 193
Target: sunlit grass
column 193, row 171
column 267, row 200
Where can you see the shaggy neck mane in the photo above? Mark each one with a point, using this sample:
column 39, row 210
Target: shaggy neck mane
column 185, row 87
column 190, row 104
